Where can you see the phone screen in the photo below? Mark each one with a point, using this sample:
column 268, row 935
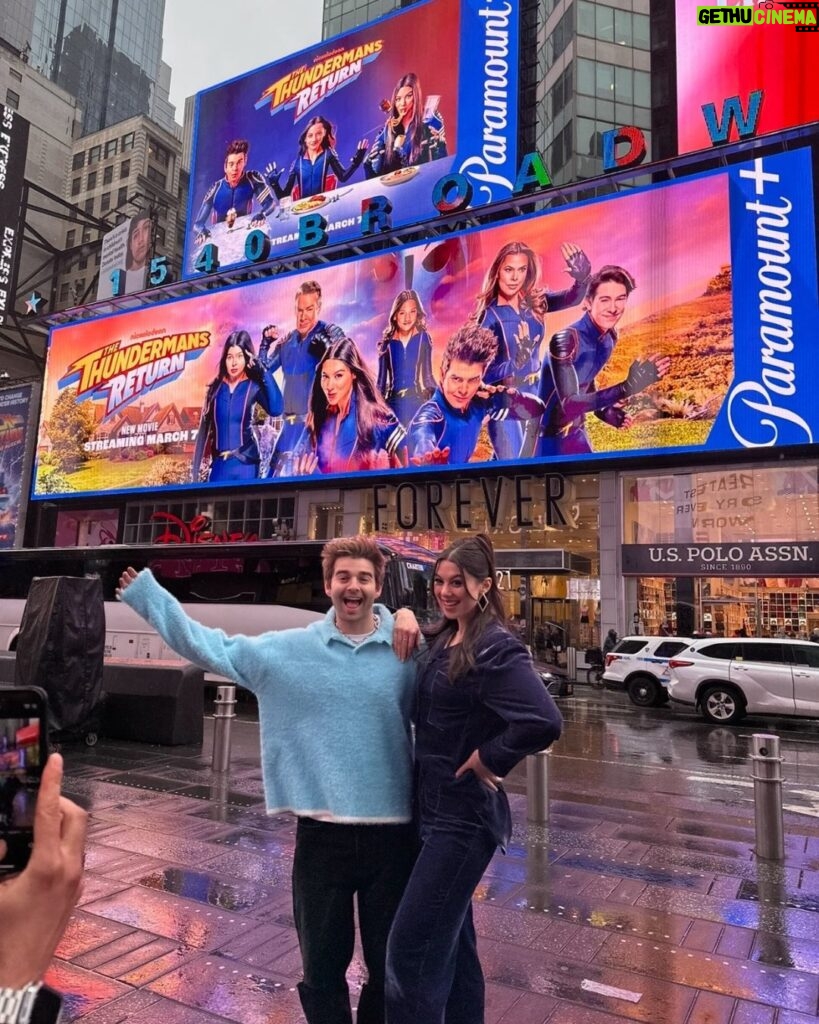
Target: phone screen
column 23, row 742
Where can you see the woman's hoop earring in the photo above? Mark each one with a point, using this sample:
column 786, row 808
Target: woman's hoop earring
column 483, row 601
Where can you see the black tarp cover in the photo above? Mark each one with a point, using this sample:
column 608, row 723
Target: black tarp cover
column 61, row 645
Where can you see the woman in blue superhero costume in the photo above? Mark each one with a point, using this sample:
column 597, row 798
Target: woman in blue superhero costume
column 406, row 138
column 405, row 357
column 513, row 307
column 225, row 428
column 349, row 425
column 317, row 168
column 481, row 707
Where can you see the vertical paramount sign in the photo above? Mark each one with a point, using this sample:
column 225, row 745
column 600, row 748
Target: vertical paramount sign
column 492, row 169
column 772, row 210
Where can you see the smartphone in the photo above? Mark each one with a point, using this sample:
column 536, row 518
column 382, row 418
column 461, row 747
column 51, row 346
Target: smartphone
column 23, row 754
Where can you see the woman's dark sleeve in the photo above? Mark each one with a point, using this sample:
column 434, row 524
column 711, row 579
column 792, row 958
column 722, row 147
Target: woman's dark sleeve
column 203, row 433
column 285, row 189
column 384, row 382
column 269, row 396
column 337, row 167
column 512, row 688
column 374, row 164
column 424, row 380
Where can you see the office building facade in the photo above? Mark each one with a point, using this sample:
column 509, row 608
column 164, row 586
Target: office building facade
column 107, row 53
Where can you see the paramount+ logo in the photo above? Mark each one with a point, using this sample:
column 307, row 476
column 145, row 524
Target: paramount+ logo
column 801, row 16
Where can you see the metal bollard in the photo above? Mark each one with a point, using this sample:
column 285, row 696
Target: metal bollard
column 223, row 716
column 766, row 771
column 537, row 787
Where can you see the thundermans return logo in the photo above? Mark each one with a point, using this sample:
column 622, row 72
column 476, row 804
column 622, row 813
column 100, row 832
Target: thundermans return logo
column 306, row 87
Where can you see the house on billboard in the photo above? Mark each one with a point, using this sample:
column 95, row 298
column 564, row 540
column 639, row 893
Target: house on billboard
column 147, row 429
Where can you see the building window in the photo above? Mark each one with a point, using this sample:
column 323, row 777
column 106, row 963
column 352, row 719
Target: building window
column 156, row 176
column 94, row 154
column 159, row 235
column 561, row 150
column 83, row 263
column 76, row 185
column 78, row 161
column 111, row 148
column 127, row 141
column 15, row 75
column 561, row 91
column 108, row 175
column 158, row 153
column 12, row 99
column 125, row 168
column 562, row 34
column 92, row 180
column 105, row 202
column 69, row 237
column 64, row 291
column 88, row 205
column 122, row 196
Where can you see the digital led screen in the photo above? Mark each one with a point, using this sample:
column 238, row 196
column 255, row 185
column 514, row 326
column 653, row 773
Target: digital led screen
column 731, row 78
column 15, row 410
column 694, row 333
column 385, row 110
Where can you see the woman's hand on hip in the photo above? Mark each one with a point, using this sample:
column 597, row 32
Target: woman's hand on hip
column 475, row 765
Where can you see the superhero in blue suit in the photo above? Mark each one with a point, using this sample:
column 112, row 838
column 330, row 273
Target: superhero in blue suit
column 317, row 168
column 236, row 191
column 576, row 355
column 338, row 446
column 297, row 356
column 513, row 307
column 407, row 138
column 405, row 373
column 225, row 432
column 437, row 425
column 446, row 428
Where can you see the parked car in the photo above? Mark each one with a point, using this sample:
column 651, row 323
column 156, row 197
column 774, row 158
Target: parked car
column 638, row 665
column 729, row 678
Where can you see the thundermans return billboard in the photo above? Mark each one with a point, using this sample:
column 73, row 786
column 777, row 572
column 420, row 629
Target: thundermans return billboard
column 676, row 318
column 370, row 121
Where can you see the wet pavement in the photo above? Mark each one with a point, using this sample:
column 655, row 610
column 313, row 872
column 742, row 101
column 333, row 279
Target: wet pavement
column 640, row 900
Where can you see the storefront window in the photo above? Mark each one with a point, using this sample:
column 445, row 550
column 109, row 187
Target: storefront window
column 729, row 552
column 765, row 504
column 544, row 525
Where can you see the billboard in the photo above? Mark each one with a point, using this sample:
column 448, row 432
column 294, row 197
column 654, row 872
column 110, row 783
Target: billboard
column 15, row 409
column 124, row 257
column 735, row 87
column 477, row 348
column 13, row 149
column 385, row 110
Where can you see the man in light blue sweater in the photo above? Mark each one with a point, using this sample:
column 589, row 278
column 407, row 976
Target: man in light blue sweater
column 334, row 711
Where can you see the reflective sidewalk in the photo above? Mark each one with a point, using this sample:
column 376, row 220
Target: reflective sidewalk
column 640, row 901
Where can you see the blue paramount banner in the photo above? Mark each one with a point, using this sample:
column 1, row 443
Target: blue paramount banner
column 772, row 399
column 342, row 138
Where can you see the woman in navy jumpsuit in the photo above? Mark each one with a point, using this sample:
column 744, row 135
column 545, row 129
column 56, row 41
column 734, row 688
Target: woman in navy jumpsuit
column 225, row 427
column 481, row 708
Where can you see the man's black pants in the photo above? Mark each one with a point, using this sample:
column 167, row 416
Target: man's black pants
column 333, row 864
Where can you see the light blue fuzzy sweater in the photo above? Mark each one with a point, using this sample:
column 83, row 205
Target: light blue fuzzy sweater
column 334, row 716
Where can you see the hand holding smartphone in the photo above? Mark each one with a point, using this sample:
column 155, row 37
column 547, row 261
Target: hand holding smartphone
column 23, row 754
